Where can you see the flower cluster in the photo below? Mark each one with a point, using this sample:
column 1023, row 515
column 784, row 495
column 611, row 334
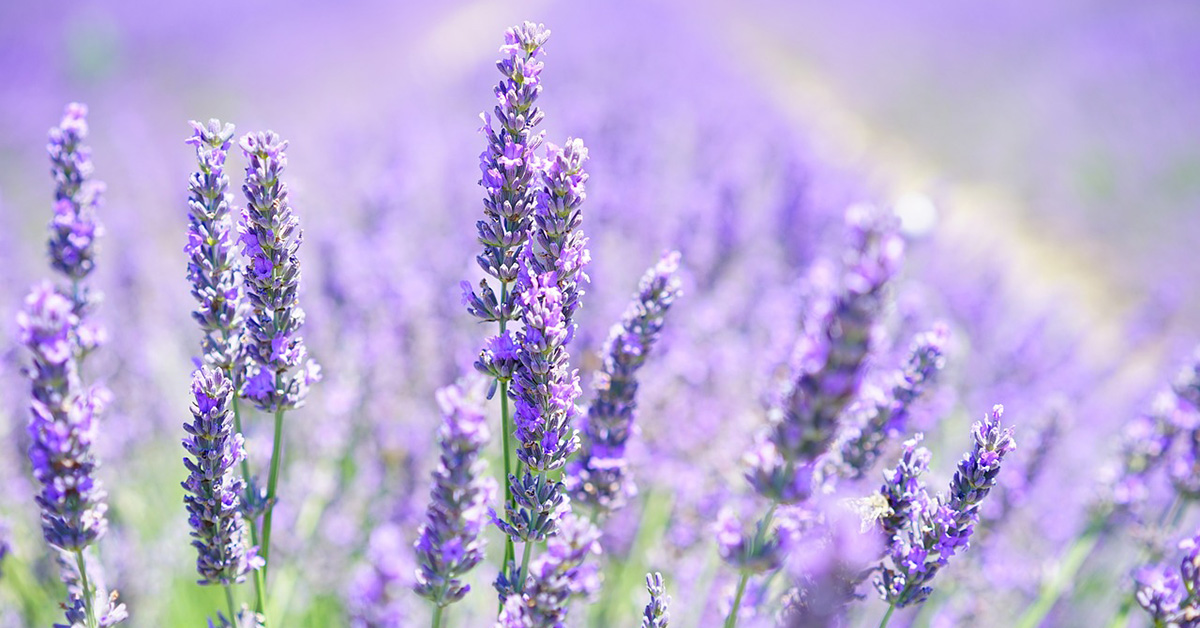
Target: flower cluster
column 555, row 577
column 74, row 228
column 937, row 529
column 557, row 244
column 211, row 273
column 656, row 615
column 597, row 476
column 63, row 424
column 270, row 236
column 214, row 491
column 1172, row 596
column 449, row 542
column 509, row 165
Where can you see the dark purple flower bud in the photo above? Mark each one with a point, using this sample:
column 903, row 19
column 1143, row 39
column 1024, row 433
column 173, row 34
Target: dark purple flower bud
column 63, row 424
column 214, row 280
column 450, row 542
column 214, row 492
column 560, row 574
column 655, row 615
column 937, row 530
column 74, row 228
column 508, row 166
column 597, row 476
column 270, row 236
column 538, row 504
column 837, row 337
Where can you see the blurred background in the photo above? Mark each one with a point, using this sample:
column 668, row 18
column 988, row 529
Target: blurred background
column 1044, row 159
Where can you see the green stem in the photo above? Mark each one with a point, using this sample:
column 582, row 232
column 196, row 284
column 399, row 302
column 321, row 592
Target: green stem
column 1121, row 619
column 887, row 616
column 1054, row 587
column 506, row 431
column 759, row 536
column 250, row 521
column 233, row 618
column 272, row 482
column 89, row 597
column 731, row 621
column 437, row 616
column 525, row 562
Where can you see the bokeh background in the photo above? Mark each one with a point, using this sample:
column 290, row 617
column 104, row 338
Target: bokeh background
column 1044, row 159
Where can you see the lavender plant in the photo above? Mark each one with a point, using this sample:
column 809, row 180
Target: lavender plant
column 656, row 615
column 598, row 476
column 934, row 530
column 278, row 371
column 449, row 542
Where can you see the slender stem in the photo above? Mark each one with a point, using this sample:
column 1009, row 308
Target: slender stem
column 89, row 597
column 250, row 521
column 272, row 482
column 525, row 562
column 506, row 430
column 1121, row 619
column 437, row 616
column 233, row 618
column 887, row 616
column 731, row 621
column 1054, row 586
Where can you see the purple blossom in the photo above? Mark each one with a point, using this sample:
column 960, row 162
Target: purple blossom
column 903, row 491
column 450, row 542
column 938, row 529
column 656, row 615
column 597, row 476
column 509, row 165
column 213, row 501
column 214, row 280
column 1170, row 596
column 74, row 228
column 63, row 424
column 561, row 247
column 270, row 236
column 759, row 552
column 558, row 575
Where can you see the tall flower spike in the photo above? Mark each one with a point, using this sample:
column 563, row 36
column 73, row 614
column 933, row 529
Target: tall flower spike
column 450, row 542
column 62, row 424
column 270, row 236
column 941, row 528
column 655, row 615
column 859, row 444
column 211, row 271
column 214, row 491
column 74, row 228
column 597, row 476
column 509, row 165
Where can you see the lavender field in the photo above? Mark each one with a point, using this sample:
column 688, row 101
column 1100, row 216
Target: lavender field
column 542, row 314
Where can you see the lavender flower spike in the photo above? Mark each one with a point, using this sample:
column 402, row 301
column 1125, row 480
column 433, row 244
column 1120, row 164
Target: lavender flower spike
column 214, row 491
column 597, row 476
column 560, row 574
column 939, row 529
column 270, row 237
column 655, row 615
column 509, row 165
column 74, row 229
column 211, row 271
column 561, row 245
column 859, row 445
column 62, row 424
column 1172, row 598
column 450, row 542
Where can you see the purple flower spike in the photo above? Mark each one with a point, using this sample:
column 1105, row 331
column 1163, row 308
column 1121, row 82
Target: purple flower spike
column 211, row 272
column 655, row 615
column 450, row 542
column 597, row 476
column 872, row 421
column 509, row 166
column 558, row 575
column 561, row 245
column 837, row 339
column 74, row 228
column 214, row 491
column 62, row 425
column 938, row 529
column 1172, row 597
column 270, row 236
